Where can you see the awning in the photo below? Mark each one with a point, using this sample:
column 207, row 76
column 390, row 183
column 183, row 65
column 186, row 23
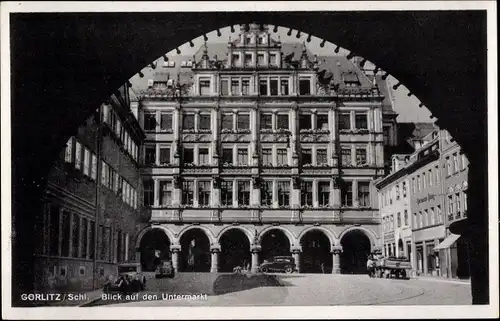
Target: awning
column 447, row 242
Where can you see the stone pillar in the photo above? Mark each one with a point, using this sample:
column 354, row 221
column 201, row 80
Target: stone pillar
column 424, row 258
column 336, row 250
column 296, row 256
column 175, row 249
column 156, row 193
column 214, row 267
column 255, row 249
column 413, row 258
column 355, row 200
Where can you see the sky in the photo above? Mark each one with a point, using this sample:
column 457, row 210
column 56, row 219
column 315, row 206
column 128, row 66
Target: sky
column 406, row 107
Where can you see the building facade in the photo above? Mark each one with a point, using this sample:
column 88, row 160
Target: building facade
column 91, row 203
column 394, row 204
column 269, row 151
column 454, row 165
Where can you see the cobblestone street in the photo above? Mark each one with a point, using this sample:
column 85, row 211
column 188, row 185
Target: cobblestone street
column 324, row 290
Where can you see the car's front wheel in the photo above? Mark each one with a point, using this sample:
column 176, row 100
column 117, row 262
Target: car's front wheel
column 264, row 270
column 288, row 269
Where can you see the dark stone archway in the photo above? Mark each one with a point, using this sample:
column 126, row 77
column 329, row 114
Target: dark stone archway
column 355, row 250
column 235, row 250
column 154, row 247
column 316, row 256
column 195, row 251
column 274, row 243
column 65, row 65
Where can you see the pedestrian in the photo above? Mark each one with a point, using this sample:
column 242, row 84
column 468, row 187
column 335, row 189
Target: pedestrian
column 323, row 267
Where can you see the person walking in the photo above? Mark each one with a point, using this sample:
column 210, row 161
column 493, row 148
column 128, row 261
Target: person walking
column 370, row 265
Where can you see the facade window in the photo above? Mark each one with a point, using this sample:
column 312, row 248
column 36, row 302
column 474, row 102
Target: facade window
column 322, row 122
column 204, row 122
column 306, row 193
column 235, row 87
column 166, row 122
column 68, row 153
column 304, row 86
column 344, row 121
column 283, row 122
column 84, row 240
column 465, row 202
column 91, row 239
column 245, row 87
column 267, row 157
column 282, row 157
column 455, row 163
column 226, row 191
column 430, row 177
column 188, row 155
column 243, row 122
column 236, row 60
column 397, row 192
column 306, row 156
column 361, row 121
column 203, row 193
column 450, row 207
column 150, row 155
column 227, row 156
column 321, row 157
column 188, row 121
column 346, row 194
column 386, row 135
column 432, row 217
column 415, row 221
column 404, row 189
column 149, row 121
column 448, row 166
column 284, row 87
column 439, row 215
column 305, row 122
column 203, row 158
column 149, row 196
column 224, row 87
column 346, row 155
column 438, row 175
column 463, row 161
column 187, row 193
column 459, row 207
column 165, row 193
column 65, row 234
column 361, row 156
column 164, row 155
column 420, row 219
column 86, row 162
column 427, row 217
column 324, row 193
column 104, row 173
column 392, row 222
column 78, row 156
column 273, row 59
column 399, row 220
column 244, row 193
column 204, row 86
column 283, row 193
column 419, row 183
column 266, row 121
column 263, row 87
column 273, row 84
column 364, row 193
column 227, row 121
column 266, row 193
column 406, row 218
column 260, row 57
column 413, row 185
column 424, row 181
column 75, row 246
column 242, row 156
column 93, row 170
column 248, row 59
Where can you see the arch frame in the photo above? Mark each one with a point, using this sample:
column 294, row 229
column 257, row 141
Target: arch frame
column 329, row 234
column 372, row 237
column 208, row 233
column 167, row 232
column 243, row 229
column 292, row 238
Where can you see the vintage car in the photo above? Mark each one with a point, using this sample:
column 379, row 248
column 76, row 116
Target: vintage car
column 397, row 267
column 278, row 264
column 129, row 279
column 165, row 268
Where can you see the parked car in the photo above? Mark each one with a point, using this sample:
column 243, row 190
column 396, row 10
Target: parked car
column 278, row 264
column 129, row 279
column 165, row 268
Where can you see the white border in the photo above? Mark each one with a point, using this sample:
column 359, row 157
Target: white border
column 361, row 312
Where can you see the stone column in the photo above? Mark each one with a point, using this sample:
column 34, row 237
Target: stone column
column 413, row 258
column 156, row 193
column 255, row 249
column 336, row 250
column 355, row 200
column 424, row 258
column 296, row 256
column 337, row 201
column 175, row 249
column 214, row 267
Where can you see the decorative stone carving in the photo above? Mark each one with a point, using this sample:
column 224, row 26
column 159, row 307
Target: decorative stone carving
column 296, row 182
column 377, row 250
column 216, row 181
column 177, row 181
column 337, row 249
column 256, row 182
column 337, row 182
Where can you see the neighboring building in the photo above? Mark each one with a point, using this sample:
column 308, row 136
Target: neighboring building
column 269, row 150
column 71, row 230
column 394, row 204
column 454, row 166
